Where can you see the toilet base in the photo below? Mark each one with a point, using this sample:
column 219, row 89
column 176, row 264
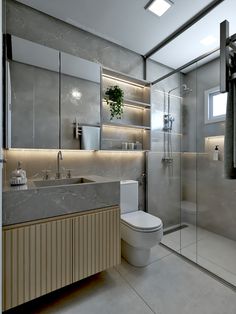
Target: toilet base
column 138, row 257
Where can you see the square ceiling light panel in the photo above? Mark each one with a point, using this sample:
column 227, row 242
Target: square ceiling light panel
column 209, row 40
column 159, row 7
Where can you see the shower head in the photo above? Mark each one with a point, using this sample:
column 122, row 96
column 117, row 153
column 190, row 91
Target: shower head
column 186, row 89
column 183, row 88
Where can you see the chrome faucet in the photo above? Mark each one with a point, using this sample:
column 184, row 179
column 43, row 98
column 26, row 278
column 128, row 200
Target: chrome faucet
column 59, row 157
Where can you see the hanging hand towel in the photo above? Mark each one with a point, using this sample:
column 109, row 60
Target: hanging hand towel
column 230, row 131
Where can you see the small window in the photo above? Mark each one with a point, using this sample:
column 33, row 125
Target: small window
column 215, row 105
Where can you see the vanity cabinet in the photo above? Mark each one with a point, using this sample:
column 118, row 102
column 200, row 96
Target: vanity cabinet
column 96, row 242
column 43, row 256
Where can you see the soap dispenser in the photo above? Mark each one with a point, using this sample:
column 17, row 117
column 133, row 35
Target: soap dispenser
column 18, row 176
column 216, row 153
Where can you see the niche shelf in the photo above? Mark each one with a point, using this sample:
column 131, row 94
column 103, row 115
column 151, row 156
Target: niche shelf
column 122, row 77
column 136, row 104
column 123, row 125
column 135, row 124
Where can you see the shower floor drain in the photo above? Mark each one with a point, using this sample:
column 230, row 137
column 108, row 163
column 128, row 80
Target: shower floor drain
column 174, row 229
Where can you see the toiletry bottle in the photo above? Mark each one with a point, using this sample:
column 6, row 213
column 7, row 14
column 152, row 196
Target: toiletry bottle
column 138, row 145
column 216, row 153
column 124, row 145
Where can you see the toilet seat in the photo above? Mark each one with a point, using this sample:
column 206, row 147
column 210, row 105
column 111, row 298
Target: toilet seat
column 141, row 221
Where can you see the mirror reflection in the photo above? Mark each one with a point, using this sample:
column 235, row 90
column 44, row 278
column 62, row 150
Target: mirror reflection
column 80, row 103
column 53, row 98
column 33, row 98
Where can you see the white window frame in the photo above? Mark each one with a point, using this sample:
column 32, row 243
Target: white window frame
column 208, row 106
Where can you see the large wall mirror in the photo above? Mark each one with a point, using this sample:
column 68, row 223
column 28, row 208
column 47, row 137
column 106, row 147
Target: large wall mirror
column 52, row 98
column 80, row 103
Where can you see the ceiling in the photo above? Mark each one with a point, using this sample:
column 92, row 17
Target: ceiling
column 128, row 24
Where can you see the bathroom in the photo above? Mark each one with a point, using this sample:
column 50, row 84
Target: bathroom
column 163, row 149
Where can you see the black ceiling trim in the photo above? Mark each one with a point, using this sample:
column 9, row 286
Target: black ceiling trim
column 185, row 66
column 184, row 27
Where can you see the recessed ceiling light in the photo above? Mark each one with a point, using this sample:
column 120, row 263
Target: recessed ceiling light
column 209, row 40
column 159, row 7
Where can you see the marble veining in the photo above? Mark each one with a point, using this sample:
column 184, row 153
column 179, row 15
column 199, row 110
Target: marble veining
column 33, row 25
column 31, row 203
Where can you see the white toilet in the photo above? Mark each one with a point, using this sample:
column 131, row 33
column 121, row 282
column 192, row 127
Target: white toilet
column 140, row 231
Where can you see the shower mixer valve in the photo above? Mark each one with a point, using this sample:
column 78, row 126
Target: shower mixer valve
column 168, row 122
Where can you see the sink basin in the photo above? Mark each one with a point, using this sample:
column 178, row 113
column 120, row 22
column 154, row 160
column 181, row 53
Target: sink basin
column 58, row 182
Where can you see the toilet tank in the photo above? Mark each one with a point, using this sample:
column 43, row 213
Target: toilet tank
column 128, row 196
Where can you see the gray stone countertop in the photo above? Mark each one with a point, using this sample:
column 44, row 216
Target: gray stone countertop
column 28, row 203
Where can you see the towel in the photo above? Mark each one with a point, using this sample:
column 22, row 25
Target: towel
column 230, row 129
column 90, row 137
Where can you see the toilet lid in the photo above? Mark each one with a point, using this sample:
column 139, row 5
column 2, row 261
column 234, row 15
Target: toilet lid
column 142, row 220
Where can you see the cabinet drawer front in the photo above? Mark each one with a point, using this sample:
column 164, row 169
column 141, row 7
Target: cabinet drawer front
column 37, row 259
column 96, row 244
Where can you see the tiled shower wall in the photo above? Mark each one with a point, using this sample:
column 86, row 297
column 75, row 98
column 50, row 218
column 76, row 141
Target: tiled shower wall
column 27, row 23
column 164, row 179
column 119, row 165
column 203, row 179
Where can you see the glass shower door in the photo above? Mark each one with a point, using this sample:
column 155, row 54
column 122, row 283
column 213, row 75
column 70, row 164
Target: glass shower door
column 216, row 195
column 171, row 163
column 164, row 160
column 188, row 232
column 187, row 187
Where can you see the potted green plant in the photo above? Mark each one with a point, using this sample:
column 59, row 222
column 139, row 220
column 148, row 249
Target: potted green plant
column 114, row 97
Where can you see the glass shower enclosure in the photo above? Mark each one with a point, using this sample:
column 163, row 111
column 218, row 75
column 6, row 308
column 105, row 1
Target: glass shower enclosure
column 186, row 186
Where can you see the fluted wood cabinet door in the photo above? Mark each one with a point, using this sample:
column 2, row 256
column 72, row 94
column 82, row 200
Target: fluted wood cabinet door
column 37, row 259
column 96, row 242
column 40, row 257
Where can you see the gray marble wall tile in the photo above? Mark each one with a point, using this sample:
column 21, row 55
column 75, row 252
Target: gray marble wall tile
column 25, row 22
column 189, row 114
column 130, row 92
column 159, row 142
column 164, row 194
column 130, row 115
column 22, row 105
column 35, row 107
column 189, row 177
column 203, row 178
column 216, row 198
column 117, row 165
column 195, row 129
column 113, row 137
column 156, row 70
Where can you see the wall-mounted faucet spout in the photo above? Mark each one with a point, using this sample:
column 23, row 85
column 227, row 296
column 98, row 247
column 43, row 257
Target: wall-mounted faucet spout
column 59, row 158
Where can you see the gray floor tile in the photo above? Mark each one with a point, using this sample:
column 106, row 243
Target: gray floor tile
column 214, row 252
column 173, row 286
column 219, row 250
column 158, row 252
column 105, row 293
column 209, row 265
column 168, row 285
